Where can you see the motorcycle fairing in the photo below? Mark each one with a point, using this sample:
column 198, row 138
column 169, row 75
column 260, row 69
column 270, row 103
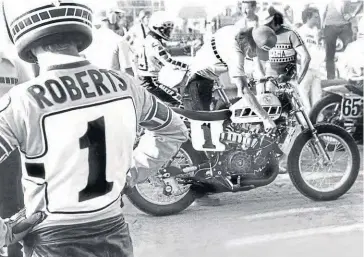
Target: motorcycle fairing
column 242, row 112
column 343, row 90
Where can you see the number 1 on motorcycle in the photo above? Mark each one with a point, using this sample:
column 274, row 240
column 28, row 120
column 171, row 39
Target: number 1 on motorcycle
column 205, row 135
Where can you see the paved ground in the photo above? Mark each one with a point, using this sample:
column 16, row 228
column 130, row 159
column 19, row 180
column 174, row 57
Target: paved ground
column 272, row 221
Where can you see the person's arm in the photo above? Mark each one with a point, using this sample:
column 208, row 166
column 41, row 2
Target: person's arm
column 259, row 68
column 14, row 229
column 323, row 18
column 358, row 8
column 18, row 226
column 301, row 50
column 130, row 38
column 235, row 64
column 165, row 134
column 351, row 15
column 162, row 55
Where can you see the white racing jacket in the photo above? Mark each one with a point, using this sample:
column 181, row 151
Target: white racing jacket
column 75, row 126
column 154, row 56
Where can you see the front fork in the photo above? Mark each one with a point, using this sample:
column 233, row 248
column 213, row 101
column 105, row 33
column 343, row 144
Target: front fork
column 317, row 141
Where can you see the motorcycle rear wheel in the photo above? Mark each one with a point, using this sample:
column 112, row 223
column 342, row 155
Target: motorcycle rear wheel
column 147, row 206
column 294, row 164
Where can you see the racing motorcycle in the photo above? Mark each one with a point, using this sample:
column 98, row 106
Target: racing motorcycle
column 343, row 106
column 229, row 151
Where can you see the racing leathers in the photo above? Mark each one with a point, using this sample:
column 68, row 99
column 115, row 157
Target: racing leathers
column 151, row 59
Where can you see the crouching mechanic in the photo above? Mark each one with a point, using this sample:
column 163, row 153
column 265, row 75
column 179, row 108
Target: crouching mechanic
column 154, row 56
column 75, row 125
column 226, row 51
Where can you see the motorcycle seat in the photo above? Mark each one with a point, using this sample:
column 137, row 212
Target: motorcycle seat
column 204, row 115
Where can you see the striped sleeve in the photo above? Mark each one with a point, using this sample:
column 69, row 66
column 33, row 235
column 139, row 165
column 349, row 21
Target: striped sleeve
column 165, row 134
column 159, row 116
column 163, row 56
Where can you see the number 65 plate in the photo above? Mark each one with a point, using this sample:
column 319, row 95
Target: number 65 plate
column 352, row 106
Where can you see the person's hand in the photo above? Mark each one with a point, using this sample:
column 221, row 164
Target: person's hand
column 269, row 125
column 130, row 181
column 18, row 226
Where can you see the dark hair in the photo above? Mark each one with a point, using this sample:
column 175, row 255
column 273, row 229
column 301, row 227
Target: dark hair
column 253, row 3
column 278, row 19
column 277, row 16
column 308, row 13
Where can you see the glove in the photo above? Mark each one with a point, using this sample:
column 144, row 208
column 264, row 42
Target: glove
column 18, row 226
column 130, row 181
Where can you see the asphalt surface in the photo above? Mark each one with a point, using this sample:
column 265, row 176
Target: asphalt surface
column 272, row 221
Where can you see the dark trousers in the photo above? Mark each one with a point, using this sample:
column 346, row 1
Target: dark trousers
column 11, row 193
column 198, row 93
column 109, row 237
column 331, row 34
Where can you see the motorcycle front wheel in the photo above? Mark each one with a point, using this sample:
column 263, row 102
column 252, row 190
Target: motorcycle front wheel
column 151, row 198
column 335, row 177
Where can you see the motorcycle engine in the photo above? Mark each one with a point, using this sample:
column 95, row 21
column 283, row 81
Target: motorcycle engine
column 249, row 151
column 238, row 161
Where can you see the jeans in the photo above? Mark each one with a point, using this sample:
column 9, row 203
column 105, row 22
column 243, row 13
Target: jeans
column 331, row 34
column 105, row 238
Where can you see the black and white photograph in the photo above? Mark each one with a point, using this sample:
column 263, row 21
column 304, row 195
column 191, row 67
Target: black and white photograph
column 169, row 128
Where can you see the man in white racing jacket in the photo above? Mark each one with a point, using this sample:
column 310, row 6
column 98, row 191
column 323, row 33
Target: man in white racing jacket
column 75, row 125
column 154, row 56
column 226, row 51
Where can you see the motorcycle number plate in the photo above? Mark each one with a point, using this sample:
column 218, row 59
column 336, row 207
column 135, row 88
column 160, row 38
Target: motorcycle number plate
column 205, row 135
column 352, row 106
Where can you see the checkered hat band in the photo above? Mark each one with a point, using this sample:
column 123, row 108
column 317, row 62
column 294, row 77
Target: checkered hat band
column 50, row 15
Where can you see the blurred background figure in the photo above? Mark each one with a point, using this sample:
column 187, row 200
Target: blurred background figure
column 136, row 35
column 249, row 19
column 310, row 88
column 108, row 49
column 336, row 21
column 353, row 58
column 121, row 22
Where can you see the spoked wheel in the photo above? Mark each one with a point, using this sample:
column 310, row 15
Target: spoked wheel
column 312, row 175
column 165, row 196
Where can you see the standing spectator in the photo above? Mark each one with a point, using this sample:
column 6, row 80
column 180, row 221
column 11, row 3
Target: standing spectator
column 310, row 89
column 136, row 35
column 249, row 19
column 108, row 49
column 336, row 22
column 121, row 22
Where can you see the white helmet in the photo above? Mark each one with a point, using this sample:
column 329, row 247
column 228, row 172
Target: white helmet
column 42, row 22
column 162, row 24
